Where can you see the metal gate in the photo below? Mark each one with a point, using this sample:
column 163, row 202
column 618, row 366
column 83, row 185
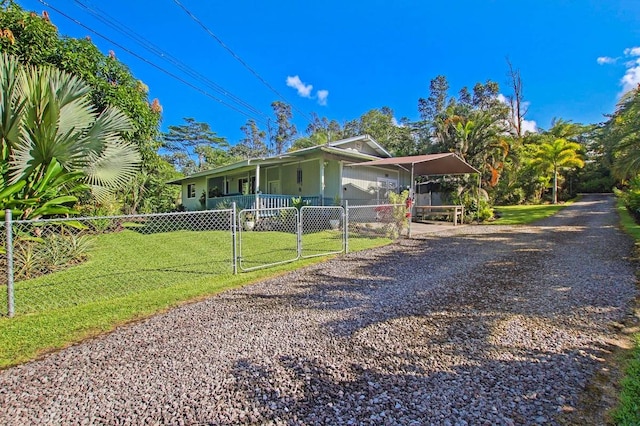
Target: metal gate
column 268, row 237
column 321, row 230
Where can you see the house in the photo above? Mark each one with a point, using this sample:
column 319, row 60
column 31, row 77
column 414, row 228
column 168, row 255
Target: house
column 320, row 175
column 357, row 170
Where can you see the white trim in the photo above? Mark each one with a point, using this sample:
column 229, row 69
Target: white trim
column 189, row 196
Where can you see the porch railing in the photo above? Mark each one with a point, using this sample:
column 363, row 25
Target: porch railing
column 261, row 201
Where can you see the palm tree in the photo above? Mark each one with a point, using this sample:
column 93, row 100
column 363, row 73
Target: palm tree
column 625, row 130
column 556, row 154
column 54, row 144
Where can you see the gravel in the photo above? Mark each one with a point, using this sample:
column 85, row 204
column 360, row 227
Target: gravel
column 481, row 325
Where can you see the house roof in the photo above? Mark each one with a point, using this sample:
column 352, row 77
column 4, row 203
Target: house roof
column 336, row 147
column 365, row 138
column 447, row 163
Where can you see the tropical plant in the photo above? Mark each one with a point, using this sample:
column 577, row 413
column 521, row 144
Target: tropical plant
column 399, row 214
column 555, row 154
column 35, row 40
column 36, row 254
column 53, row 143
column 624, row 129
column 299, row 202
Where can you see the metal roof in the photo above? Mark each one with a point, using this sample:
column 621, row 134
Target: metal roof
column 333, row 148
column 446, row 163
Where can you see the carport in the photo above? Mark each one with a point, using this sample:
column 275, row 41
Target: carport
column 441, row 164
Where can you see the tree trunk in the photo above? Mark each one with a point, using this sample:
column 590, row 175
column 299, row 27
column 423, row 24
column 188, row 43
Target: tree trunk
column 555, row 187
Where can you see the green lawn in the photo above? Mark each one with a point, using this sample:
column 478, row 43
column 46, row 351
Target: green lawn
column 628, row 411
column 521, row 215
column 130, row 275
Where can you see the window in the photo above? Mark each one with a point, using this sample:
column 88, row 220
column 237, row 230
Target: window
column 247, row 185
column 299, row 176
column 191, row 190
column 243, row 186
column 216, row 187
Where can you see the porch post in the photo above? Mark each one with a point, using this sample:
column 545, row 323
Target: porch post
column 321, row 181
column 257, row 188
column 411, row 196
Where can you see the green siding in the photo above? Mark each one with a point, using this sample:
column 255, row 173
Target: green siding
column 332, row 183
column 193, row 203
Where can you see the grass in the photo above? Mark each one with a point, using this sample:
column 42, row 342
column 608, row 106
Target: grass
column 130, row 276
column 524, row 214
column 628, row 410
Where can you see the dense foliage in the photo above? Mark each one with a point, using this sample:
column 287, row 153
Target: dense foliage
column 54, row 145
column 34, row 40
column 620, row 147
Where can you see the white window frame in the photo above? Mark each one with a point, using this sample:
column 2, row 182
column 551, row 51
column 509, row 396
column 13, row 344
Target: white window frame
column 191, row 190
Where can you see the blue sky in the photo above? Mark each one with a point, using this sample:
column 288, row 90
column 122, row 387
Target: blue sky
column 342, row 58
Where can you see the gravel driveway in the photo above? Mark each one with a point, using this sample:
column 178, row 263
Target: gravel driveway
column 483, row 325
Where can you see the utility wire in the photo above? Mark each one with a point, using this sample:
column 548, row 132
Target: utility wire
column 239, row 59
column 149, row 46
column 170, row 74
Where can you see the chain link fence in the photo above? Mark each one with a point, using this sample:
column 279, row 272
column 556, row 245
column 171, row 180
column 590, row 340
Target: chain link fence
column 61, row 263
column 268, row 237
column 66, row 262
column 379, row 223
column 322, row 231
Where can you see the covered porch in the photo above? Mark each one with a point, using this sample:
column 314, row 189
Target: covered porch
column 441, row 164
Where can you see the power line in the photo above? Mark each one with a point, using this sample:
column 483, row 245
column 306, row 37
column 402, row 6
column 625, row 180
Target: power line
column 149, row 46
column 170, row 74
column 238, row 58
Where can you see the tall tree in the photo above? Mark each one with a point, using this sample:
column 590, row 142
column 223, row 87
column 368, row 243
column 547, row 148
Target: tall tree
column 555, row 154
column 436, row 102
column 54, row 144
column 195, row 140
column 330, row 129
column 472, row 126
column 623, row 135
column 381, row 125
column 252, row 145
column 518, row 109
column 285, row 130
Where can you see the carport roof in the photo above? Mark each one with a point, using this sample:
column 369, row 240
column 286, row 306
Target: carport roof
column 446, row 163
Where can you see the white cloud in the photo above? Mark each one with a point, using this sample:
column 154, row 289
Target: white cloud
column 304, row 90
column 527, row 125
column 322, row 97
column 631, row 78
column 632, row 51
column 606, row 60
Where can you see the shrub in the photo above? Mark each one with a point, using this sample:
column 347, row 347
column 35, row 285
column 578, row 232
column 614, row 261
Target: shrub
column 398, row 217
column 631, row 198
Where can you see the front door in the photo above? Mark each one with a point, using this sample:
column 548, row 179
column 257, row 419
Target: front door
column 274, row 187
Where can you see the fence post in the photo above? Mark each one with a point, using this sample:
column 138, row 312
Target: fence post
column 409, row 212
column 299, row 231
column 346, row 226
column 9, row 231
column 234, row 238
